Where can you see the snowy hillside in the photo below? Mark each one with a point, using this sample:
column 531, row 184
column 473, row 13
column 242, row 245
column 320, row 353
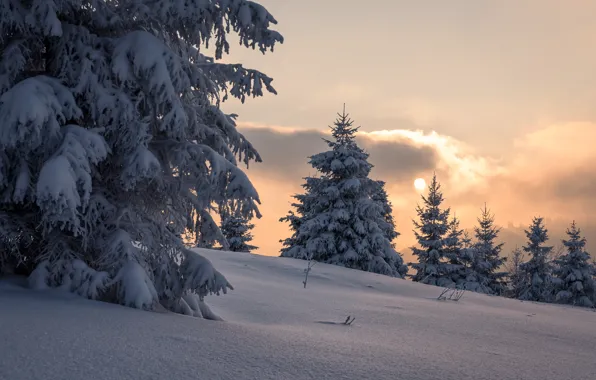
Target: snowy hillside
column 275, row 329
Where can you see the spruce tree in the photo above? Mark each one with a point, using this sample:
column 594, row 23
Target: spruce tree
column 236, row 229
column 515, row 274
column 485, row 247
column 537, row 271
column 574, row 272
column 477, row 271
column 455, row 251
column 431, row 233
column 336, row 220
column 113, row 142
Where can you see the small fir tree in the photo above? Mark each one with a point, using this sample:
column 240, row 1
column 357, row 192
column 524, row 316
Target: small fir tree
column 537, row 271
column 339, row 219
column 477, row 268
column 485, row 247
column 467, row 248
column 574, row 271
column 556, row 253
column 236, row 230
column 431, row 233
column 455, row 251
column 516, row 277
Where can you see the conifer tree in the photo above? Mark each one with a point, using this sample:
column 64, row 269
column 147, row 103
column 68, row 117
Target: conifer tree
column 485, row 247
column 431, row 233
column 537, row 271
column 113, row 142
column 515, row 274
column 455, row 251
column 236, row 229
column 466, row 239
column 336, row 220
column 477, row 271
column 574, row 272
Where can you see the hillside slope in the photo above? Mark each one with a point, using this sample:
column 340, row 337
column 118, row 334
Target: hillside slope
column 276, row 329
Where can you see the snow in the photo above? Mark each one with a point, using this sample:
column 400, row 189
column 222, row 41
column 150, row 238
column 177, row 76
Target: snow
column 32, row 110
column 57, row 188
column 276, row 329
column 136, row 287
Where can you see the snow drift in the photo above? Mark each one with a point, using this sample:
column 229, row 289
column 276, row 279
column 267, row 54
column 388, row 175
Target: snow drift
column 276, row 329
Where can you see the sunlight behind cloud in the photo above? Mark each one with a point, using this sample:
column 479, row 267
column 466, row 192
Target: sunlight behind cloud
column 464, row 167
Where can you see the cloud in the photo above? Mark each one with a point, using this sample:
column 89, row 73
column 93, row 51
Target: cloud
column 285, row 153
column 456, row 163
column 398, row 161
column 579, row 183
column 550, row 173
column 554, row 165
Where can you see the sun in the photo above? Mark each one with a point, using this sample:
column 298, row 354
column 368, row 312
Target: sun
column 420, row 184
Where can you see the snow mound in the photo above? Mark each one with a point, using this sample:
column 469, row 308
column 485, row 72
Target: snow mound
column 276, row 329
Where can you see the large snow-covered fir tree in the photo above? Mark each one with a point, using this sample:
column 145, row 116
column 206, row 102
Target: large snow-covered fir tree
column 112, row 142
column 487, row 252
column 339, row 220
column 236, row 230
column 574, row 271
column 537, row 271
column 431, row 232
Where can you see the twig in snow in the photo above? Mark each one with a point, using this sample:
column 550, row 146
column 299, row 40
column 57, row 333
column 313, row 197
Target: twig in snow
column 348, row 322
column 311, row 263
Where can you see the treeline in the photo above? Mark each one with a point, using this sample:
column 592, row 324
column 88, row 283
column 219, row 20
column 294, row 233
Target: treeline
column 345, row 218
column 449, row 258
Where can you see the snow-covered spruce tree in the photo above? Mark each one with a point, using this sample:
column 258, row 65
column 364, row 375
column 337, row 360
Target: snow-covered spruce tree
column 336, row 220
column 515, row 275
column 431, row 233
column 537, row 271
column 456, row 251
column 574, row 272
column 490, row 253
column 236, row 229
column 470, row 267
column 477, row 274
column 112, row 142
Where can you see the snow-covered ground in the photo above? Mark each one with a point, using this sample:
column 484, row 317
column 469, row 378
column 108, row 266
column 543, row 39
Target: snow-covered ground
column 276, row 329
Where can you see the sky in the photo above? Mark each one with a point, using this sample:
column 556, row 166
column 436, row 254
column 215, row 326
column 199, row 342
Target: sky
column 497, row 97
